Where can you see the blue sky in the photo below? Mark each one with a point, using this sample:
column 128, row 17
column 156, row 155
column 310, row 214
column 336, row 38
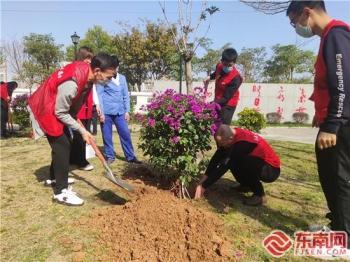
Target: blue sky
column 236, row 23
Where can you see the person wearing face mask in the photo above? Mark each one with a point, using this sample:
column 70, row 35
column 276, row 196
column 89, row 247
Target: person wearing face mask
column 115, row 107
column 227, row 82
column 249, row 157
column 331, row 97
column 53, row 108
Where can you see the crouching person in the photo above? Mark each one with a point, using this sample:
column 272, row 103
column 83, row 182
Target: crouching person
column 53, row 107
column 250, row 159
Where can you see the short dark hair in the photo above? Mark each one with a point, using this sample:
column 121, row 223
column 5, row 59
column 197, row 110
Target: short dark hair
column 297, row 6
column 11, row 86
column 84, row 52
column 116, row 60
column 229, row 55
column 103, row 61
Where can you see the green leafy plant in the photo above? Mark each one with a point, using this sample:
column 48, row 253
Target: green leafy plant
column 176, row 131
column 20, row 112
column 251, row 119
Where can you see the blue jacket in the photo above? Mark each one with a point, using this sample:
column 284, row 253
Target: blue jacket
column 114, row 97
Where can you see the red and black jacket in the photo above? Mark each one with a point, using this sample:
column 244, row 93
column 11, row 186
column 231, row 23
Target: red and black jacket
column 332, row 78
column 42, row 102
column 226, row 86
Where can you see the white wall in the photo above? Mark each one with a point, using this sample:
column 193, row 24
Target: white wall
column 267, row 98
column 284, row 98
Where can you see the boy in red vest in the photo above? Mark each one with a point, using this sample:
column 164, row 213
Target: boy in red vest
column 53, row 107
column 78, row 148
column 250, row 159
column 332, row 104
column 227, row 82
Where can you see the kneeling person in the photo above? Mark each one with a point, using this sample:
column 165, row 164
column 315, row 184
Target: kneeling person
column 250, row 159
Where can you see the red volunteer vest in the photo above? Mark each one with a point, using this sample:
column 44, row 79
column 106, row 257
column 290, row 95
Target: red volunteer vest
column 4, row 93
column 320, row 95
column 263, row 150
column 85, row 111
column 42, row 102
column 221, row 82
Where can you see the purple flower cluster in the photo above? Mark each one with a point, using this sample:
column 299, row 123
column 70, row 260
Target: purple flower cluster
column 178, row 110
column 20, row 101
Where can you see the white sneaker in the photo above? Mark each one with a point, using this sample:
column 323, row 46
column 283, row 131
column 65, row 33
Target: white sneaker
column 49, row 182
column 88, row 167
column 68, row 197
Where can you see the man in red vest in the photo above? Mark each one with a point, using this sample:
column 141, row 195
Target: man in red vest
column 332, row 104
column 53, row 108
column 227, row 82
column 250, row 159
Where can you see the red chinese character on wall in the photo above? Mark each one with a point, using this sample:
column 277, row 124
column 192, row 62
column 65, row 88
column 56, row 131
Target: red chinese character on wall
column 302, row 96
column 257, row 90
column 301, row 109
column 281, row 95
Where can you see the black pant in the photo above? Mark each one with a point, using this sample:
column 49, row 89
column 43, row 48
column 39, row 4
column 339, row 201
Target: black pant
column 94, row 121
column 3, row 117
column 78, row 148
column 60, row 151
column 226, row 114
column 334, row 173
column 250, row 171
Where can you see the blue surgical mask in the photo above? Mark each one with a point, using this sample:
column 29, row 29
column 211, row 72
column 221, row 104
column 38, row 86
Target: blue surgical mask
column 227, row 69
column 304, row 31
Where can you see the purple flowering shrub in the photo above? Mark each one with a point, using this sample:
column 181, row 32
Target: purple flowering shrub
column 20, row 112
column 176, row 129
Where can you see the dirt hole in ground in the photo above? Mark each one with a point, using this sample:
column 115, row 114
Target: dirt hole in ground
column 156, row 226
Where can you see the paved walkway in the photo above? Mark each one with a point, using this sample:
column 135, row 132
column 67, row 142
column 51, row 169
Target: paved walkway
column 295, row 134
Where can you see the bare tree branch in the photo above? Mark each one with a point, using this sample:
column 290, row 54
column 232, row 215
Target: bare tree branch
column 268, row 7
column 15, row 56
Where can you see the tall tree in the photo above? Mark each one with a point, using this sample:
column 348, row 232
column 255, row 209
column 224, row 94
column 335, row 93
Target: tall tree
column 95, row 38
column 15, row 57
column 145, row 53
column 252, row 61
column 42, row 58
column 286, row 61
column 187, row 39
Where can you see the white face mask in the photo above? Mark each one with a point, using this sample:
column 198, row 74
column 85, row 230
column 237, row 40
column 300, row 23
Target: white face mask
column 304, row 31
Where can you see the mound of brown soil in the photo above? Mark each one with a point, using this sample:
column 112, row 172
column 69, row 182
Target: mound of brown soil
column 156, row 226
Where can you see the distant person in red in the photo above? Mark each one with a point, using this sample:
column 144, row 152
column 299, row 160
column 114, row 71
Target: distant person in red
column 249, row 157
column 53, row 108
column 227, row 82
column 4, row 103
column 332, row 104
column 11, row 86
column 6, row 90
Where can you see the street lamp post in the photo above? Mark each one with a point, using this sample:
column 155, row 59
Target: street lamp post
column 75, row 39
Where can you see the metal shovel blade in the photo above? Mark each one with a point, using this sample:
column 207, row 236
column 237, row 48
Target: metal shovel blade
column 116, row 180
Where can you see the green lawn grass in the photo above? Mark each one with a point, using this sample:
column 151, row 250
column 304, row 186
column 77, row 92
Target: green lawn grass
column 35, row 229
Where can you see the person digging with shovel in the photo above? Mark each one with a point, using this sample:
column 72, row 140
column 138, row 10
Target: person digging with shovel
column 52, row 109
